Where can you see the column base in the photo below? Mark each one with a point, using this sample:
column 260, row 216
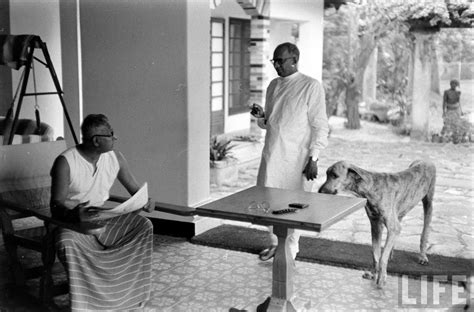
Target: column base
column 273, row 304
column 418, row 135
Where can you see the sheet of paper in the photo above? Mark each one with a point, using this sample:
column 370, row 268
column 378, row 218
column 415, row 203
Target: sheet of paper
column 137, row 201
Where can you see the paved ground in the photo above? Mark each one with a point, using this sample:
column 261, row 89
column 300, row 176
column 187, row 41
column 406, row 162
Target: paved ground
column 376, row 148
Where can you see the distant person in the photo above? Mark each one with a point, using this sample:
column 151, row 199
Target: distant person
column 296, row 131
column 112, row 270
column 451, row 101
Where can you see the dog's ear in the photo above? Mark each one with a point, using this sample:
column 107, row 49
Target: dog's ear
column 356, row 172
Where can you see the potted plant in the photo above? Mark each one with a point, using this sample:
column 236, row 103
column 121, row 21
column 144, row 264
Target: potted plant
column 223, row 165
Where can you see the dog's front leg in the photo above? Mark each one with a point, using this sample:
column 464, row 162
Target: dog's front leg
column 428, row 211
column 376, row 228
column 393, row 231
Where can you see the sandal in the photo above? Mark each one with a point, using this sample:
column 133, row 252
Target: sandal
column 267, row 253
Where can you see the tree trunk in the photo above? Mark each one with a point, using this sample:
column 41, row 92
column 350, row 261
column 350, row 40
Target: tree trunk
column 352, row 104
column 335, row 96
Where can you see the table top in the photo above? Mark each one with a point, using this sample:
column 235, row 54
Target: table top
column 323, row 211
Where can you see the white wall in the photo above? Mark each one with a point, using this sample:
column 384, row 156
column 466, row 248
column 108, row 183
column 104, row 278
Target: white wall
column 40, row 17
column 280, row 31
column 310, row 14
column 198, row 82
column 146, row 66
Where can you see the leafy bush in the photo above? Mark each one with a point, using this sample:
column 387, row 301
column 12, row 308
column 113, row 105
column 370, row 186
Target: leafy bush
column 220, row 150
column 247, row 138
column 456, row 130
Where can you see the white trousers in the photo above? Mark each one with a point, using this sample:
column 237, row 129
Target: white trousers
column 294, row 238
column 293, row 241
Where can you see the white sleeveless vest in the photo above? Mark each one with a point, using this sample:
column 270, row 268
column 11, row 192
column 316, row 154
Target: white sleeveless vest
column 87, row 185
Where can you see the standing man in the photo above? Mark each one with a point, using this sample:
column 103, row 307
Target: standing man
column 296, row 131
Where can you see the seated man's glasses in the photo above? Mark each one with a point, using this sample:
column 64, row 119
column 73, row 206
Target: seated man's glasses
column 111, row 135
column 280, row 61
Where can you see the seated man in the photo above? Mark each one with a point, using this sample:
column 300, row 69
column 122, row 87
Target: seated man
column 111, row 270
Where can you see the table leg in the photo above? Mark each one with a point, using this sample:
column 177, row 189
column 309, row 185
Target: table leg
column 283, row 272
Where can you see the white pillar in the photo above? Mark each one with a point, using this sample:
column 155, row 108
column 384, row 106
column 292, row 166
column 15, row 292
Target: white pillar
column 425, row 90
column 152, row 79
column 369, row 89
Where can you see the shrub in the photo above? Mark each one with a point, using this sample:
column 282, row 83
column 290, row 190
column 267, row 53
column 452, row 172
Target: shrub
column 456, row 130
column 220, row 150
column 247, row 138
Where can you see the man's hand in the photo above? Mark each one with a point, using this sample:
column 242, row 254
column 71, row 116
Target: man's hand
column 150, row 206
column 84, row 213
column 257, row 111
column 75, row 215
column 311, row 169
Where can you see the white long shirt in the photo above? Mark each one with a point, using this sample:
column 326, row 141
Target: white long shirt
column 297, row 127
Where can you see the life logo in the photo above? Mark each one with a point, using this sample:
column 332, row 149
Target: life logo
column 435, row 291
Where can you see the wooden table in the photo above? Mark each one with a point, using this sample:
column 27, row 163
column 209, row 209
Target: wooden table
column 323, row 211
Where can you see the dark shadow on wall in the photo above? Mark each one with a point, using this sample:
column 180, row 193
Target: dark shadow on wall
column 5, row 72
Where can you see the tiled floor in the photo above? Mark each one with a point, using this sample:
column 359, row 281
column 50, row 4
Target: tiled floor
column 188, row 277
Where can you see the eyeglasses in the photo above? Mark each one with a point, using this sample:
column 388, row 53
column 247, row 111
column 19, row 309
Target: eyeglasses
column 255, row 206
column 111, row 135
column 280, row 61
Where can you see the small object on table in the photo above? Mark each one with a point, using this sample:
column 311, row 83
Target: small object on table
column 283, row 211
column 298, row 205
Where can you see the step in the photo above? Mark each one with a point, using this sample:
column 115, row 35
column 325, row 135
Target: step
column 247, row 152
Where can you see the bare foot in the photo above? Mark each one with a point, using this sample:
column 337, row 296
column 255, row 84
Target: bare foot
column 368, row 275
column 423, row 259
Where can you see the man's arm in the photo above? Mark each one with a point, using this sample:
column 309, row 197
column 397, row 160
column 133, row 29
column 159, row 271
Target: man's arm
column 128, row 180
column 265, row 114
column 258, row 112
column 262, row 123
column 60, row 210
column 125, row 176
column 319, row 129
column 59, row 187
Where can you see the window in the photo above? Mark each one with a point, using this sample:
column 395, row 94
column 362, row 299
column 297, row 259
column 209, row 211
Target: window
column 239, row 65
column 217, row 75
